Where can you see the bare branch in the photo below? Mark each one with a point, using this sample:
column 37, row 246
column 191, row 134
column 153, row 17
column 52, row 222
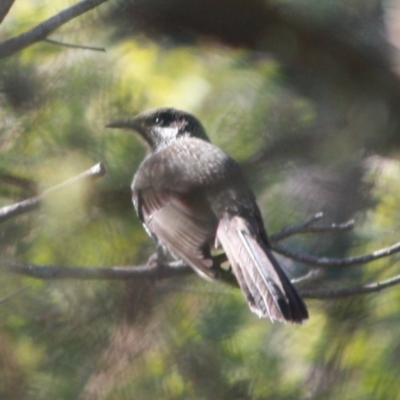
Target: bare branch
column 159, row 270
column 163, row 271
column 351, row 291
column 33, row 203
column 47, row 272
column 5, row 6
column 74, row 46
column 308, row 227
column 41, row 31
column 293, row 229
column 336, row 262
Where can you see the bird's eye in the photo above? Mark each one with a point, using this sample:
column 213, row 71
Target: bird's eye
column 158, row 121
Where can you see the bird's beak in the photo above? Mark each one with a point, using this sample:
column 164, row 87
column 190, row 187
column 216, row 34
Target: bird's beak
column 134, row 124
column 124, row 124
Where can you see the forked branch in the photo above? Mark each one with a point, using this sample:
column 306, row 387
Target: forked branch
column 44, row 29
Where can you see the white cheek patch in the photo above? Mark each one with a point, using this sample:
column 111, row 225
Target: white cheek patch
column 167, row 134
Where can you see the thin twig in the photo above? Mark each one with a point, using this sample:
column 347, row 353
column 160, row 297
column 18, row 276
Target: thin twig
column 33, row 203
column 310, row 275
column 74, row 46
column 308, row 227
column 287, row 230
column 350, row 291
column 41, row 31
column 336, row 262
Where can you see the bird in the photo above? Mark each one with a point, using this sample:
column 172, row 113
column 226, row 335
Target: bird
column 192, row 198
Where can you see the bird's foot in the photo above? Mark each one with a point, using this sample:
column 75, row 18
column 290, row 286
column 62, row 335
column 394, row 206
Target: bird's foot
column 154, row 261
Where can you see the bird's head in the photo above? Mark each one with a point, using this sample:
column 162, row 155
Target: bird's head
column 162, row 126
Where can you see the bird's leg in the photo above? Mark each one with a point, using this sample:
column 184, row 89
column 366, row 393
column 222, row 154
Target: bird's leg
column 162, row 254
column 159, row 258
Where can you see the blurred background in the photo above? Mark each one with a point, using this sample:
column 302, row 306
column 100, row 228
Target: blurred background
column 304, row 94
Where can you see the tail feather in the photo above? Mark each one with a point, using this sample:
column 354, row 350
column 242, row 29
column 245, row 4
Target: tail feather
column 265, row 286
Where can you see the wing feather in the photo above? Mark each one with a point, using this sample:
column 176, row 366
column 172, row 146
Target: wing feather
column 182, row 224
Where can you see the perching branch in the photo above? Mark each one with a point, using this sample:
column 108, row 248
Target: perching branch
column 33, row 203
column 156, row 269
column 165, row 271
column 41, row 31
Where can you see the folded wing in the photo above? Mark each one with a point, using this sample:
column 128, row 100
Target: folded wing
column 181, row 223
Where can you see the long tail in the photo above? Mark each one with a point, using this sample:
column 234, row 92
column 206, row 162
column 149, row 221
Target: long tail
column 265, row 286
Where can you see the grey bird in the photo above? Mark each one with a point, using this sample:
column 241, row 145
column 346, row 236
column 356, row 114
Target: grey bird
column 191, row 197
